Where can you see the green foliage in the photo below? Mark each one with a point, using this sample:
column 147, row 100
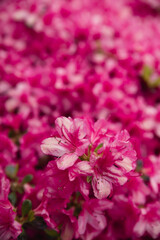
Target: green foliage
column 31, row 216
column 11, row 171
column 147, row 75
column 139, row 165
column 26, row 207
column 28, row 178
column 89, row 179
column 51, row 233
column 98, row 147
column 145, row 178
column 12, row 198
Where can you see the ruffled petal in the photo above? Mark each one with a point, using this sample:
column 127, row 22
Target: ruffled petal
column 66, row 161
column 52, row 146
column 101, row 187
column 63, row 126
column 82, row 222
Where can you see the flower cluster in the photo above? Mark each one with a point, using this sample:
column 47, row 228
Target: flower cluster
column 79, row 120
column 92, row 152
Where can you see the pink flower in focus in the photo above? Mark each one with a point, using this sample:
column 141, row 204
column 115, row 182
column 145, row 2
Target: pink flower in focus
column 57, row 181
column 107, row 160
column 70, row 144
column 115, row 159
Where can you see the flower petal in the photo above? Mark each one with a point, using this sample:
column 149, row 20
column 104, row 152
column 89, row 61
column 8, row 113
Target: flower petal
column 80, row 168
column 63, row 126
column 82, row 222
column 101, row 187
column 66, row 161
column 97, row 221
column 52, row 146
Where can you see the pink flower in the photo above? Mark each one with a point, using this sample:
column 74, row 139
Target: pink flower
column 4, row 186
column 70, row 144
column 123, row 216
column 151, row 170
column 57, row 181
column 7, row 150
column 41, row 210
column 137, row 189
column 108, row 159
column 115, row 159
column 92, row 219
column 9, row 228
column 149, row 221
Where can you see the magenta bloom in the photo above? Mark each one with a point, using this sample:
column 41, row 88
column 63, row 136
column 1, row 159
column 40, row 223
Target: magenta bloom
column 96, row 174
column 41, row 210
column 149, row 221
column 69, row 145
column 107, row 160
column 9, row 228
column 7, row 150
column 112, row 163
column 4, row 187
column 92, row 219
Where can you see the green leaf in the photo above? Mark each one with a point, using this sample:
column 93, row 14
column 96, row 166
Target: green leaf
column 51, row 232
column 98, row 147
column 31, row 216
column 145, row 178
column 26, row 207
column 20, row 189
column 89, row 179
column 28, row 178
column 139, row 165
column 78, row 194
column 77, row 210
column 156, row 83
column 146, row 73
column 11, row 171
column 12, row 198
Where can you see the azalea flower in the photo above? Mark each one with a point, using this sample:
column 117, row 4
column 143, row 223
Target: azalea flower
column 149, row 221
column 69, row 145
column 112, row 164
column 9, row 228
column 92, row 220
